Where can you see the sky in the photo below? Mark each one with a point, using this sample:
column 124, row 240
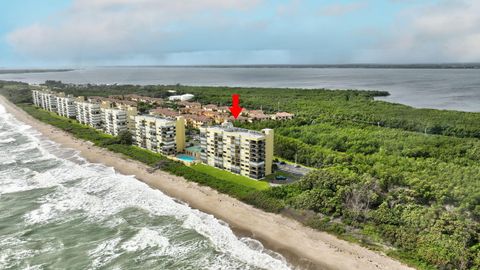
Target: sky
column 82, row 33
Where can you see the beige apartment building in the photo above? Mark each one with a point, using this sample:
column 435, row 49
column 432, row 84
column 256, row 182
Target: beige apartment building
column 161, row 135
column 114, row 121
column 89, row 113
column 241, row 151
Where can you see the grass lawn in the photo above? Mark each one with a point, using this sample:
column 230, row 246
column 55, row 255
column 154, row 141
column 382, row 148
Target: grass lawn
column 231, row 177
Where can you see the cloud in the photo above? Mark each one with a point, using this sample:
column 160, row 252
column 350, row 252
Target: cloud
column 110, row 32
column 340, row 9
column 448, row 31
column 91, row 30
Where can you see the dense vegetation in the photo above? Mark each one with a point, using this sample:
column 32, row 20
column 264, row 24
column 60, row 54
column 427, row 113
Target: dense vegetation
column 387, row 173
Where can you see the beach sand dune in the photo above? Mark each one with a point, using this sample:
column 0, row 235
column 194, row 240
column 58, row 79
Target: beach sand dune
column 303, row 246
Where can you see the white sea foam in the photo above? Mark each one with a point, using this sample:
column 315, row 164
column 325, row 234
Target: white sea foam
column 105, row 252
column 11, row 257
column 7, row 140
column 146, row 238
column 103, row 193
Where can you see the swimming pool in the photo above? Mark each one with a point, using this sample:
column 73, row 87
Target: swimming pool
column 186, row 158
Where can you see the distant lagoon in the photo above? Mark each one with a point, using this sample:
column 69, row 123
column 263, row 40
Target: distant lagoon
column 452, row 89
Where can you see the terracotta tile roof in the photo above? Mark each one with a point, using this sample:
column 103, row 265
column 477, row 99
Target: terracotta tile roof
column 211, row 107
column 198, row 118
column 190, row 104
column 164, row 112
column 223, row 109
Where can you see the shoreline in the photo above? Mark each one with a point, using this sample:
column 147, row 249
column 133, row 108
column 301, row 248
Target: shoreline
column 302, row 246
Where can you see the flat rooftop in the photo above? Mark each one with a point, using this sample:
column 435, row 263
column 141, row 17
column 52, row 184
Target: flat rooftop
column 241, row 131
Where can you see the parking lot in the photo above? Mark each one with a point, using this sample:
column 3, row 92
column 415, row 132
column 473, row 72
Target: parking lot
column 292, row 168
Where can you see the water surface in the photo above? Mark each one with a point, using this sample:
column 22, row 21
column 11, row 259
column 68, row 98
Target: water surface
column 453, row 89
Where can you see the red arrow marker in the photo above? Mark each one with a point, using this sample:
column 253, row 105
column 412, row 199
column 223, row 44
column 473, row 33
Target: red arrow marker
column 235, row 109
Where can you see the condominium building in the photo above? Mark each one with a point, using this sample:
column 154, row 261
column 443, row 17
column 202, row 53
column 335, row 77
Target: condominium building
column 162, row 135
column 66, row 106
column 132, row 112
column 45, row 99
column 113, row 121
column 50, row 101
column 36, row 98
column 241, row 151
column 89, row 114
column 129, row 107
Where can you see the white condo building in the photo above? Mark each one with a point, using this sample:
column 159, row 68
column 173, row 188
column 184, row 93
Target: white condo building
column 45, row 99
column 114, row 121
column 36, row 98
column 66, row 106
column 89, row 114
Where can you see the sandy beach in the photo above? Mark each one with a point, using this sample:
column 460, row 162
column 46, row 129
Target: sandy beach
column 302, row 246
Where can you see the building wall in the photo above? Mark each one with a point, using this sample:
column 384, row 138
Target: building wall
column 131, row 113
column 36, row 98
column 51, row 102
column 180, row 139
column 45, row 99
column 113, row 121
column 157, row 134
column 269, row 140
column 66, row 106
column 240, row 151
column 89, row 114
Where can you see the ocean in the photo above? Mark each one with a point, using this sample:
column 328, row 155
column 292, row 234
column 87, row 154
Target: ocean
column 58, row 211
column 452, row 89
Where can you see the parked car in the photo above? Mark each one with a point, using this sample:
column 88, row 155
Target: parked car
column 280, row 178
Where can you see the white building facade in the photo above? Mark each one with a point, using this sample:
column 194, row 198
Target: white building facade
column 45, row 99
column 89, row 114
column 66, row 106
column 114, row 121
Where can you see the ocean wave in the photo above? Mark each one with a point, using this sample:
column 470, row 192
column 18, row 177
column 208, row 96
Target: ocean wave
column 146, row 238
column 105, row 252
column 13, row 252
column 7, row 140
column 102, row 194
